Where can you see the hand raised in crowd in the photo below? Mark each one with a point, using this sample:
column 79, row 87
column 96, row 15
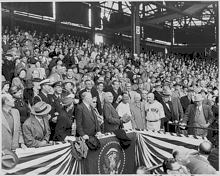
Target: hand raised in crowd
column 85, row 137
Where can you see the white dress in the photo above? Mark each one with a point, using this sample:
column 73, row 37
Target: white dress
column 123, row 109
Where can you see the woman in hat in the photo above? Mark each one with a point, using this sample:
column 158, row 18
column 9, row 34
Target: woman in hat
column 20, row 80
column 63, row 128
column 5, row 87
column 20, row 104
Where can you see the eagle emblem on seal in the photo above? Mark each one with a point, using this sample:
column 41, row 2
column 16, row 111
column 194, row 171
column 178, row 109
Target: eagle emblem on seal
column 112, row 162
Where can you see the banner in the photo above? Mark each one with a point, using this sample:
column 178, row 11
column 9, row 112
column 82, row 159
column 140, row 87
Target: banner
column 148, row 149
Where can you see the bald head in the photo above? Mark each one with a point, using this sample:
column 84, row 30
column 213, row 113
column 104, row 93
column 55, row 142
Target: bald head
column 150, row 97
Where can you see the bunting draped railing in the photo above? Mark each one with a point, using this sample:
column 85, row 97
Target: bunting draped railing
column 148, row 149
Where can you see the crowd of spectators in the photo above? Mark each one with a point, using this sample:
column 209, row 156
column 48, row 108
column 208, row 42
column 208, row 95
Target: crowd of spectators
column 80, row 88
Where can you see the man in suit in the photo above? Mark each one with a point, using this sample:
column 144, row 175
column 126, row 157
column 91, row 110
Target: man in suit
column 94, row 92
column 188, row 99
column 116, row 92
column 131, row 93
column 170, row 116
column 198, row 115
column 112, row 121
column 86, row 120
column 157, row 93
column 12, row 136
column 36, row 128
column 5, row 44
column 47, row 98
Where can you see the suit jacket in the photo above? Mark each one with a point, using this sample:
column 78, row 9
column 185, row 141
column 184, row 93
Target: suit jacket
column 11, row 140
column 177, row 107
column 111, row 118
column 94, row 93
column 213, row 158
column 185, row 102
column 158, row 96
column 34, row 133
column 189, row 116
column 169, row 112
column 5, row 46
column 199, row 165
column 63, row 126
column 115, row 95
column 86, row 121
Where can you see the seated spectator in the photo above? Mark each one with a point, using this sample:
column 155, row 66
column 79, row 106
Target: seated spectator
column 36, row 129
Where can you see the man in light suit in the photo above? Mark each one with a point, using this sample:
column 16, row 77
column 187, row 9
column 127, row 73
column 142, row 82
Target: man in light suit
column 12, row 137
column 36, row 128
column 86, row 120
column 198, row 115
column 112, row 121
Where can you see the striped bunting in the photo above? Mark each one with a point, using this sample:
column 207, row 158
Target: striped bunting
column 53, row 160
column 153, row 147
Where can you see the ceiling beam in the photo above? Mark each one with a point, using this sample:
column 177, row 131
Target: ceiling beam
column 174, row 9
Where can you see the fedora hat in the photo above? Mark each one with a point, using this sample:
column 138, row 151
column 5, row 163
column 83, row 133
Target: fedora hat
column 166, row 93
column 36, row 80
column 9, row 159
column 198, row 97
column 41, row 108
column 190, row 89
column 178, row 84
column 67, row 101
column 5, row 83
column 93, row 143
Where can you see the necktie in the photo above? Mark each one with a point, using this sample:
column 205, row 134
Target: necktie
column 42, row 123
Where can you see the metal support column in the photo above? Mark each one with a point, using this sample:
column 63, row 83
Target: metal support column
column 136, row 29
column 172, row 35
column 92, row 32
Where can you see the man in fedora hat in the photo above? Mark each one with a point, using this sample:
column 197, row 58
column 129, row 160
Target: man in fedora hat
column 12, row 136
column 178, row 92
column 169, row 112
column 198, row 115
column 36, row 128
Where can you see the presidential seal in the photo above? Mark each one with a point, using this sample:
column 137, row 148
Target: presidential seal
column 111, row 159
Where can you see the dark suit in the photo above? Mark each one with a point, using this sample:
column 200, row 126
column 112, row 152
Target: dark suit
column 158, row 96
column 170, row 116
column 94, row 93
column 112, row 120
column 57, row 101
column 115, row 95
column 86, row 121
column 63, row 126
column 189, row 116
column 34, row 133
column 49, row 100
column 5, row 46
column 213, row 158
column 185, row 102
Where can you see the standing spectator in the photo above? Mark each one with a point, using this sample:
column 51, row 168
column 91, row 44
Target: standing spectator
column 138, row 112
column 86, row 120
column 188, row 99
column 177, row 92
column 20, row 104
column 8, row 66
column 157, row 93
column 198, row 115
column 154, row 113
column 36, row 128
column 112, row 121
column 124, row 109
column 63, row 129
column 5, row 44
column 116, row 92
column 21, row 65
column 12, row 136
column 131, row 93
column 170, row 116
column 101, row 93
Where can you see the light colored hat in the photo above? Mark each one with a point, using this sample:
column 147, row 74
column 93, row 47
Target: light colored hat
column 198, row 97
column 46, row 81
column 41, row 108
column 67, row 101
column 9, row 159
column 166, row 93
